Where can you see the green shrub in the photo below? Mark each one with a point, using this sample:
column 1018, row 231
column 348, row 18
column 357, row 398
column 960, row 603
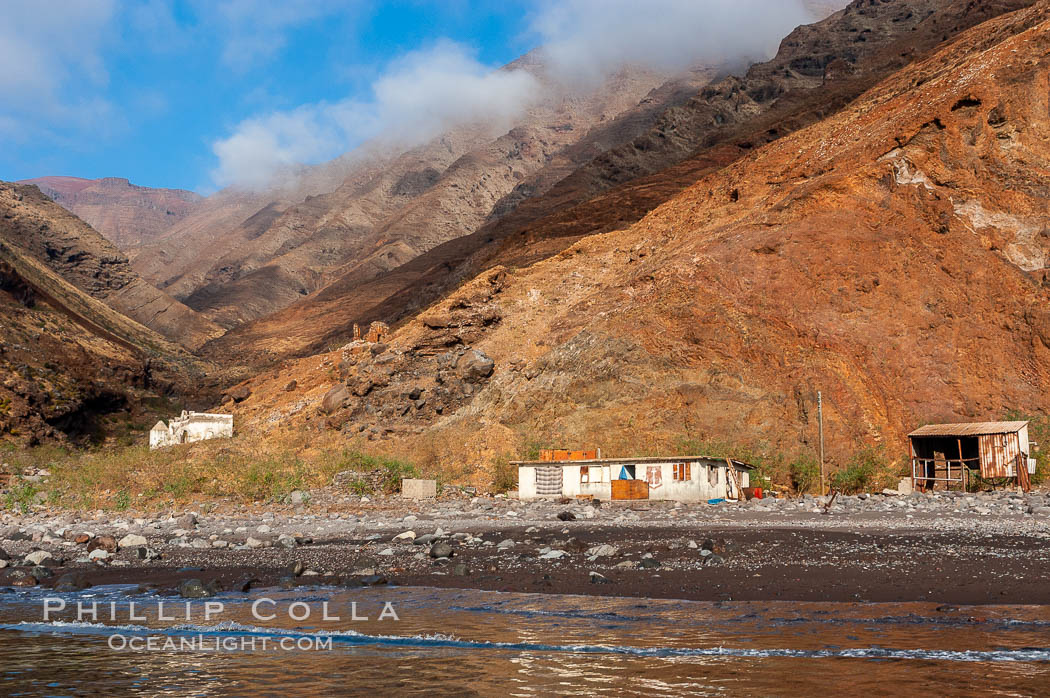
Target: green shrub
column 393, row 470
column 21, row 496
column 360, row 487
column 863, row 471
column 504, row 476
column 805, row 473
column 769, row 464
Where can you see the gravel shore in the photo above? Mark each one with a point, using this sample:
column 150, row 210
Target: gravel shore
column 948, row 548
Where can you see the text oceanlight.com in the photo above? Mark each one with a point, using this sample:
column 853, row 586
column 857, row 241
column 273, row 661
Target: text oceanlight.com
column 206, row 643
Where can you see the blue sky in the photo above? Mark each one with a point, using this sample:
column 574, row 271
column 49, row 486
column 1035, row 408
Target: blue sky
column 200, row 94
column 175, row 77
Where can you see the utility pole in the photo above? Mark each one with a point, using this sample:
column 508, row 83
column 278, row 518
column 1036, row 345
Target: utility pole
column 820, row 422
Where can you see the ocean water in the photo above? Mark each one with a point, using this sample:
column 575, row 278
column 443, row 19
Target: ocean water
column 449, row 642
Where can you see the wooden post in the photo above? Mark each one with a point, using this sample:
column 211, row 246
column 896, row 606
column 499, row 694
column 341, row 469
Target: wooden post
column 961, row 464
column 820, row 423
column 911, row 452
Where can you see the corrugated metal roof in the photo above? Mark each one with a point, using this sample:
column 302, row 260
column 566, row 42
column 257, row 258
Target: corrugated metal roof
column 968, row 429
column 640, row 461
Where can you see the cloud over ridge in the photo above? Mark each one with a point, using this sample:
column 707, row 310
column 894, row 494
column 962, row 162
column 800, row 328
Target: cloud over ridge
column 427, row 91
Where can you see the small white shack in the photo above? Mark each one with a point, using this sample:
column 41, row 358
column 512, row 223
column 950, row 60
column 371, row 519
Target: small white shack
column 190, row 427
column 681, row 479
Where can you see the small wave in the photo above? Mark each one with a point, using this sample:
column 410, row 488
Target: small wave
column 441, row 641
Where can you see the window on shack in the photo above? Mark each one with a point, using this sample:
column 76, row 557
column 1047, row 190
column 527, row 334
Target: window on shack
column 585, row 474
column 712, row 475
column 682, row 472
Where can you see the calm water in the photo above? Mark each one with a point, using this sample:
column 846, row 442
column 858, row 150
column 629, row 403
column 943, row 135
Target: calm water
column 484, row 643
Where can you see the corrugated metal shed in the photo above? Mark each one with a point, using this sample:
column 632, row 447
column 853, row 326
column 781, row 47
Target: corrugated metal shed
column 969, row 429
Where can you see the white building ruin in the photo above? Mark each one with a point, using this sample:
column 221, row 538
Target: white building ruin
column 190, row 427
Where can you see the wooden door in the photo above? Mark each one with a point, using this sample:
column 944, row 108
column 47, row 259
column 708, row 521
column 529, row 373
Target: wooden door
column 630, row 489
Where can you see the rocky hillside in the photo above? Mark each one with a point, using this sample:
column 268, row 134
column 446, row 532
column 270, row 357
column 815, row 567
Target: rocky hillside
column 68, row 361
column 892, row 255
column 391, row 207
column 124, row 213
column 818, row 70
column 52, row 236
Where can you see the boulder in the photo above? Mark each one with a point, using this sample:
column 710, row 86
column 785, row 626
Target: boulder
column 441, row 550
column 40, row 572
column 291, row 385
column 605, row 550
column 566, row 516
column 37, row 557
column 334, row 399
column 71, row 582
column 196, row 589
column 132, row 541
column 239, row 393
column 438, row 321
column 106, row 543
column 474, row 366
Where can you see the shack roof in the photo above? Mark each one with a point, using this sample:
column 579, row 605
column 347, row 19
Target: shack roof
column 636, row 461
column 968, row 429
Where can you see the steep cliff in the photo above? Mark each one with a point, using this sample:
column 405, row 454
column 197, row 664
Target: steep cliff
column 124, row 213
column 65, row 244
column 892, row 255
column 818, row 70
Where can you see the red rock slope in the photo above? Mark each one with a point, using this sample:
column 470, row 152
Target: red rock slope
column 892, row 256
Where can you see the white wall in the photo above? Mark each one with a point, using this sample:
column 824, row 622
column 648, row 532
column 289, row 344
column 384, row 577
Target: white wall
column 193, row 426
column 698, row 488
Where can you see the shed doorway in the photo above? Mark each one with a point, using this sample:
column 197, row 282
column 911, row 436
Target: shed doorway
column 627, row 486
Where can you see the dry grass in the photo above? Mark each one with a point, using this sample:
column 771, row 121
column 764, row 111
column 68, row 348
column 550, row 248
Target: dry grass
column 241, row 468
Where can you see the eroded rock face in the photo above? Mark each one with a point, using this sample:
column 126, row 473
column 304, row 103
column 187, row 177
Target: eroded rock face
column 124, row 213
column 82, row 257
column 399, row 391
column 818, row 70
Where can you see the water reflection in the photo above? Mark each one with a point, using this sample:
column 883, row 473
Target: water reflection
column 467, row 642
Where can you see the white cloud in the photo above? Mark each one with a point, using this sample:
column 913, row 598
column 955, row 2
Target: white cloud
column 584, row 40
column 47, row 57
column 425, row 92
column 417, row 97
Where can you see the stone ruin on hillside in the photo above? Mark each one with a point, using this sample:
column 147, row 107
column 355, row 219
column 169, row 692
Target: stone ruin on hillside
column 190, row 427
column 376, row 331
